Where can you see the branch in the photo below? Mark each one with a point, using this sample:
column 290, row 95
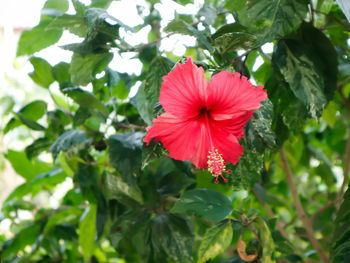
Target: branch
column 321, row 210
column 340, row 90
column 312, row 13
column 118, row 124
column 267, row 57
column 270, row 213
column 346, row 173
column 301, row 213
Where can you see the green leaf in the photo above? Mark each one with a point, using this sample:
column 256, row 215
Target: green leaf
column 178, row 26
column 73, row 23
column 324, row 55
column 57, row 120
column 84, row 67
column 87, row 232
column 120, row 190
column 159, row 67
column 152, row 151
column 312, row 76
column 208, row 204
column 125, row 154
column 267, row 244
column 181, row 27
column 71, row 141
column 229, row 28
column 31, row 112
column 247, row 171
column 329, row 113
column 271, row 19
column 42, row 74
column 29, row 123
column 6, row 105
column 70, row 215
column 25, row 168
column 100, row 35
column 118, row 83
column 234, row 41
column 61, row 73
column 143, row 105
column 37, row 147
column 282, row 244
column 79, row 7
column 340, row 245
column 42, row 181
column 26, row 237
column 61, row 5
column 37, row 39
column 261, row 123
column 86, row 99
column 101, row 3
column 171, row 234
column 285, row 103
column 209, row 14
column 215, row 241
column 300, row 71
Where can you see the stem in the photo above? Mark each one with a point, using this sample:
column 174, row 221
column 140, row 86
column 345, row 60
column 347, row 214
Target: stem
column 271, row 214
column 346, row 174
column 312, row 12
column 301, row 213
column 340, row 90
column 321, row 210
column 118, row 124
column 267, row 57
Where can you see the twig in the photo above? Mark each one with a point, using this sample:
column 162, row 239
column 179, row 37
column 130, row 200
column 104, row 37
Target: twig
column 312, row 12
column 128, row 126
column 99, row 163
column 321, row 210
column 267, row 57
column 346, row 101
column 343, row 82
column 270, row 213
column 346, row 174
column 300, row 210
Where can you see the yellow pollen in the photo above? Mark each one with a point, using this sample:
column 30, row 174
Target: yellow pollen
column 216, row 164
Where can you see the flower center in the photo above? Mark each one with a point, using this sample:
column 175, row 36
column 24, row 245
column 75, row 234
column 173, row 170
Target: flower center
column 217, row 165
column 203, row 110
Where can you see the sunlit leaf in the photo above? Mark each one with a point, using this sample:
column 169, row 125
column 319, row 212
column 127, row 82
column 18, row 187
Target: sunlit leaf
column 215, row 241
column 204, row 203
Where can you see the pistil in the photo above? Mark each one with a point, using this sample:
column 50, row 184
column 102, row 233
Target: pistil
column 217, row 165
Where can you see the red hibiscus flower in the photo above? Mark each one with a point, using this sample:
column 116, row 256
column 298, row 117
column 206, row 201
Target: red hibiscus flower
column 203, row 122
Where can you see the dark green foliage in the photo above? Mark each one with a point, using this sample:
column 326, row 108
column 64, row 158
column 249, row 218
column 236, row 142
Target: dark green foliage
column 172, row 236
column 204, row 203
column 271, row 19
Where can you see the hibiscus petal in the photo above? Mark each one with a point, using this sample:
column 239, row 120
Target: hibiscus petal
column 179, row 136
column 231, row 94
column 192, row 139
column 219, row 135
column 183, row 92
column 225, row 142
column 236, row 124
